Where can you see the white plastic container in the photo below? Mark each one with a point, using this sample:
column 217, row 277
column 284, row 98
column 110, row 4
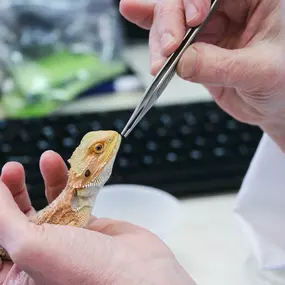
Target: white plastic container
column 151, row 208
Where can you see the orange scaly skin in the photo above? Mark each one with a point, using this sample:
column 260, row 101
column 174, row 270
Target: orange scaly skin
column 90, row 168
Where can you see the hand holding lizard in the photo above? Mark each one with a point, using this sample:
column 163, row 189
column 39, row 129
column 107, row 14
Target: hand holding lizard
column 107, row 252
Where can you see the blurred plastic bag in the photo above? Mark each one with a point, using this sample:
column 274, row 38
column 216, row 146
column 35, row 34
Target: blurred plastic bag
column 51, row 51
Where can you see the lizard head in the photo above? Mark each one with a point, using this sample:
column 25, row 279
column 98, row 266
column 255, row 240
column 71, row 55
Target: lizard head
column 92, row 161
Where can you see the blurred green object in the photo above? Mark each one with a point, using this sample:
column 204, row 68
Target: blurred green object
column 44, row 85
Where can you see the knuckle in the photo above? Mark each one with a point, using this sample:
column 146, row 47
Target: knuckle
column 164, row 10
column 161, row 10
column 144, row 21
column 229, row 70
column 223, row 67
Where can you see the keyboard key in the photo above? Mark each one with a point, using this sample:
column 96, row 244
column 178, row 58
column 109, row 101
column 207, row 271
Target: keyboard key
column 246, row 137
column 243, row 150
column 190, row 119
column 144, row 125
column 213, row 116
column 219, row 152
column 222, row 138
column 161, row 132
column 25, row 136
column 147, row 160
column 209, row 127
column 6, row 148
column 72, row 130
column 43, row 145
column 171, row 157
column 95, row 126
column 185, row 130
column 138, row 134
column 200, row 141
column 48, row 132
column 196, row 155
column 69, row 143
column 3, row 125
column 127, row 148
column 119, row 124
column 166, row 120
column 152, row 146
column 123, row 162
column 232, row 125
column 25, row 159
column 176, row 144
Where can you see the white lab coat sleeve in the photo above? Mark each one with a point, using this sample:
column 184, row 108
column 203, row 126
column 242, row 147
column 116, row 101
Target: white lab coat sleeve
column 260, row 206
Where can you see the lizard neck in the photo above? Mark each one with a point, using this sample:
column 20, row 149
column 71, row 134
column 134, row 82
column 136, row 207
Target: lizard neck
column 71, row 204
column 84, row 198
column 77, row 199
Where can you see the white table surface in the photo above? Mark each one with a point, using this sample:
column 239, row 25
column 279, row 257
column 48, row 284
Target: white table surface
column 209, row 243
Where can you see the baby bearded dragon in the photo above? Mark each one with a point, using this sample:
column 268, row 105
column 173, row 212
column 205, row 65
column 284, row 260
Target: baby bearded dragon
column 91, row 167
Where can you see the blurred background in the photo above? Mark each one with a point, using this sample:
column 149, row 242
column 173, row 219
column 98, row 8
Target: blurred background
column 69, row 67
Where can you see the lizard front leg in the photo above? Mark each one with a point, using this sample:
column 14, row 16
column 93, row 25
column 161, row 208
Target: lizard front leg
column 4, row 254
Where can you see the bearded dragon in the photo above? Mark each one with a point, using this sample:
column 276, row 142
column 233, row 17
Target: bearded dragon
column 91, row 166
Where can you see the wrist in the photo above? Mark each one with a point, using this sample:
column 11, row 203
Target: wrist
column 275, row 128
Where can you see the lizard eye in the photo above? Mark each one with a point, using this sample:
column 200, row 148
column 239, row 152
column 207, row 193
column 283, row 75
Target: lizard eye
column 87, row 173
column 98, row 148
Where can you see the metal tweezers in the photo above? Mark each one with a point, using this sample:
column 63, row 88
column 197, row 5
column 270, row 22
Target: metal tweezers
column 164, row 76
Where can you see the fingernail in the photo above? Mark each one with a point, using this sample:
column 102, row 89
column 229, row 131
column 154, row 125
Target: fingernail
column 188, row 63
column 167, row 40
column 191, row 12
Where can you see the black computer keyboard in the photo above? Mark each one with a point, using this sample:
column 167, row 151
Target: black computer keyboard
column 183, row 149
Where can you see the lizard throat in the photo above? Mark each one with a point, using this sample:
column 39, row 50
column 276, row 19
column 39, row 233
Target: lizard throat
column 86, row 196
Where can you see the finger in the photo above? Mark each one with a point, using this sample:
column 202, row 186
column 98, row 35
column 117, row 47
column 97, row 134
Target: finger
column 214, row 30
column 157, row 60
column 139, row 12
column 14, row 223
column 169, row 19
column 113, row 227
column 55, row 174
column 211, row 65
column 196, row 11
column 13, row 175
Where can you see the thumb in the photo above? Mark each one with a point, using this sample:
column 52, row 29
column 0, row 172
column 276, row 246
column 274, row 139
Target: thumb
column 212, row 65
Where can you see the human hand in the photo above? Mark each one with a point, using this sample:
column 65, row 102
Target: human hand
column 54, row 172
column 239, row 56
column 108, row 252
